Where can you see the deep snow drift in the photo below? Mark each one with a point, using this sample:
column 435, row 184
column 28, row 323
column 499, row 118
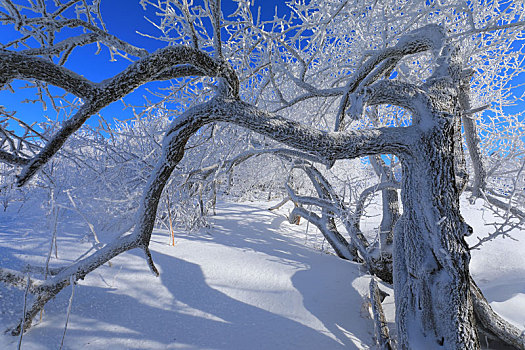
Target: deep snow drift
column 252, row 281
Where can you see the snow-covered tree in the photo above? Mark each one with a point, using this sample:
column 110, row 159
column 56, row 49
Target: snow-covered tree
column 331, row 80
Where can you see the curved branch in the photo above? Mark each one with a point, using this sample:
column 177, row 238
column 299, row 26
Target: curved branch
column 387, row 185
column 331, row 206
column 334, row 238
column 492, row 322
column 400, row 94
column 19, row 280
column 173, row 152
column 180, row 71
column 227, row 165
column 148, row 68
column 329, row 146
column 159, row 65
column 323, row 203
column 429, row 37
column 14, row 65
column 326, row 145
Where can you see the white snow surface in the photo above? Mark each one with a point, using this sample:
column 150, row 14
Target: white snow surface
column 251, row 281
column 247, row 283
column 498, row 266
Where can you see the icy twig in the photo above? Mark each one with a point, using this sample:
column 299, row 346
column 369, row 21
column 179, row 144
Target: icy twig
column 28, row 284
column 72, row 283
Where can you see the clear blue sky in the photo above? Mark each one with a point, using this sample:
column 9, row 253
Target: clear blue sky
column 123, row 18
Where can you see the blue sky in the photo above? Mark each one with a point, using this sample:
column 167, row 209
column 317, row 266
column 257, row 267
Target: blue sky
column 123, row 18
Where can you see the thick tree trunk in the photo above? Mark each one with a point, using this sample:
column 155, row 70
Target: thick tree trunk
column 431, row 259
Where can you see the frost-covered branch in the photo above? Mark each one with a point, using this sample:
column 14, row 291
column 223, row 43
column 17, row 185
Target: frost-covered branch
column 340, row 245
column 331, row 207
column 14, row 65
column 492, row 324
column 430, row 37
column 371, row 190
column 227, row 165
column 36, row 21
column 9, row 158
column 69, row 44
column 325, row 145
column 380, row 322
column 139, row 238
column 157, row 65
column 19, row 280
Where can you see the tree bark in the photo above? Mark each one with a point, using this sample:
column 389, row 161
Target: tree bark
column 472, row 139
column 381, row 326
column 390, row 204
column 390, row 215
column 431, row 259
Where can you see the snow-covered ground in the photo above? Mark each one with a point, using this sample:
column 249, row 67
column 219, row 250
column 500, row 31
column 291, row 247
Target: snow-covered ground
column 252, row 281
column 498, row 266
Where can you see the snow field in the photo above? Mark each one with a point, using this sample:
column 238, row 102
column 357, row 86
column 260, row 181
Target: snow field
column 251, row 281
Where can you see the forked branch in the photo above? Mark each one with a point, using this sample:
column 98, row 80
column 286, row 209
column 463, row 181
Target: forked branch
column 166, row 63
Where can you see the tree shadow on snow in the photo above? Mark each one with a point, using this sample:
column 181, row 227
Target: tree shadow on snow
column 232, row 227
column 200, row 317
column 327, row 294
column 507, row 286
column 193, row 315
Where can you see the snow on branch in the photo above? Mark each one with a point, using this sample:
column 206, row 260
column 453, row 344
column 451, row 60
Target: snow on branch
column 430, row 37
column 148, row 68
column 310, row 200
column 227, row 165
column 19, row 280
column 14, row 65
column 326, row 145
column 400, row 94
column 9, row 158
column 491, row 323
column 380, row 322
column 387, row 185
column 42, row 22
column 69, row 44
column 159, row 65
column 334, row 238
